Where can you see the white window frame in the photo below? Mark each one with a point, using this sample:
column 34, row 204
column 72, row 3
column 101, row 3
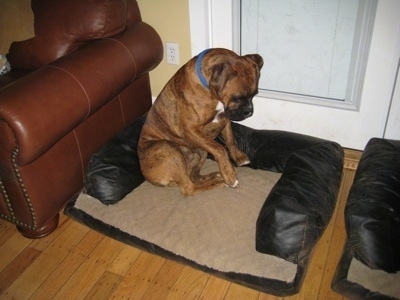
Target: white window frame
column 208, row 13
column 359, row 59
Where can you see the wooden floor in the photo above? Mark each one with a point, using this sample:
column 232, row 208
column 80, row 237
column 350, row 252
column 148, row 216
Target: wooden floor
column 75, row 262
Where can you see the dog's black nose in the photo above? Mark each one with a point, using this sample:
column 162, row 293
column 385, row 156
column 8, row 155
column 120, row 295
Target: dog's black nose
column 248, row 113
column 248, row 110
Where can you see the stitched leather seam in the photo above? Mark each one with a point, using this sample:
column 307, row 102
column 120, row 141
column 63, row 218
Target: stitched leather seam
column 80, row 154
column 83, row 89
column 130, row 54
column 122, row 109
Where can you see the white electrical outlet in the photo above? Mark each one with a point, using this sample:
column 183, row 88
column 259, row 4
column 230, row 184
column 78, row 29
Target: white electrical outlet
column 172, row 50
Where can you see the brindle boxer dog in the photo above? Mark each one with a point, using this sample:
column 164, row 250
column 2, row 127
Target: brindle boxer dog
column 195, row 106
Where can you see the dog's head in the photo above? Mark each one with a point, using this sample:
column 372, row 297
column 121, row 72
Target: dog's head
column 234, row 82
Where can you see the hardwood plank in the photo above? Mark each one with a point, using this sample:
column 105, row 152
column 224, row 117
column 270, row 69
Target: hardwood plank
column 124, row 289
column 88, row 243
column 145, row 278
column 124, row 261
column 16, row 267
column 90, row 271
column 240, row 292
column 164, row 281
column 104, row 286
column 293, row 297
column 44, row 265
column 264, row 296
column 189, row 285
column 6, row 231
column 70, row 236
column 12, row 248
column 215, row 288
column 57, row 278
column 33, row 277
column 76, row 256
column 70, row 264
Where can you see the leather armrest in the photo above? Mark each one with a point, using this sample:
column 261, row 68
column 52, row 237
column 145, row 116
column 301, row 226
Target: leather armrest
column 39, row 109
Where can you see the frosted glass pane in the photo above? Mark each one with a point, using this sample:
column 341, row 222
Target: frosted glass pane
column 306, row 44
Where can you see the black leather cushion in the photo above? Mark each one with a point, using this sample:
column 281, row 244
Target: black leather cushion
column 372, row 212
column 114, row 170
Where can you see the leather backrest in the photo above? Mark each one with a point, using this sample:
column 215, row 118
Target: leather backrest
column 61, row 26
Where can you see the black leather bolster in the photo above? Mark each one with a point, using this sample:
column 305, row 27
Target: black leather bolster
column 299, row 207
column 372, row 213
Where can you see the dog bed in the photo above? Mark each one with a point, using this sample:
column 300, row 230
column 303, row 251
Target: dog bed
column 296, row 176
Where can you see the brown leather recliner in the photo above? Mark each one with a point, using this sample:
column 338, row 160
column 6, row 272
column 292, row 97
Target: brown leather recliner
column 79, row 81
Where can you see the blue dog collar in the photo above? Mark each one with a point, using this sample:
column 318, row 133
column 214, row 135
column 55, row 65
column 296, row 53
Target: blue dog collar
column 199, row 60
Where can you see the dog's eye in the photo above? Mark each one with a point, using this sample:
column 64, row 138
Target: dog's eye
column 238, row 99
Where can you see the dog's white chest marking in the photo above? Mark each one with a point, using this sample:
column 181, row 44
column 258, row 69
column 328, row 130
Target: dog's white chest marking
column 219, row 110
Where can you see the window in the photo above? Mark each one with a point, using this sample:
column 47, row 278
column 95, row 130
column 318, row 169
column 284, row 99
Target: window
column 315, row 51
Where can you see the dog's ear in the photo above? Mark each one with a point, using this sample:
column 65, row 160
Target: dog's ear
column 257, row 59
column 221, row 73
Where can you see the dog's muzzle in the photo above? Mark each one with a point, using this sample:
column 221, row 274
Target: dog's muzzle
column 240, row 113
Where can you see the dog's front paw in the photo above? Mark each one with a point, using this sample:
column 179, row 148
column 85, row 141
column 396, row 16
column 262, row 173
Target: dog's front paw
column 243, row 163
column 232, row 182
column 235, row 184
column 240, row 158
column 228, row 173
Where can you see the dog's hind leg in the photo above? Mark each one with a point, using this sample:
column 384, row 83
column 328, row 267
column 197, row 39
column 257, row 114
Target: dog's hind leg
column 189, row 187
column 195, row 159
column 169, row 166
column 162, row 163
column 192, row 182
